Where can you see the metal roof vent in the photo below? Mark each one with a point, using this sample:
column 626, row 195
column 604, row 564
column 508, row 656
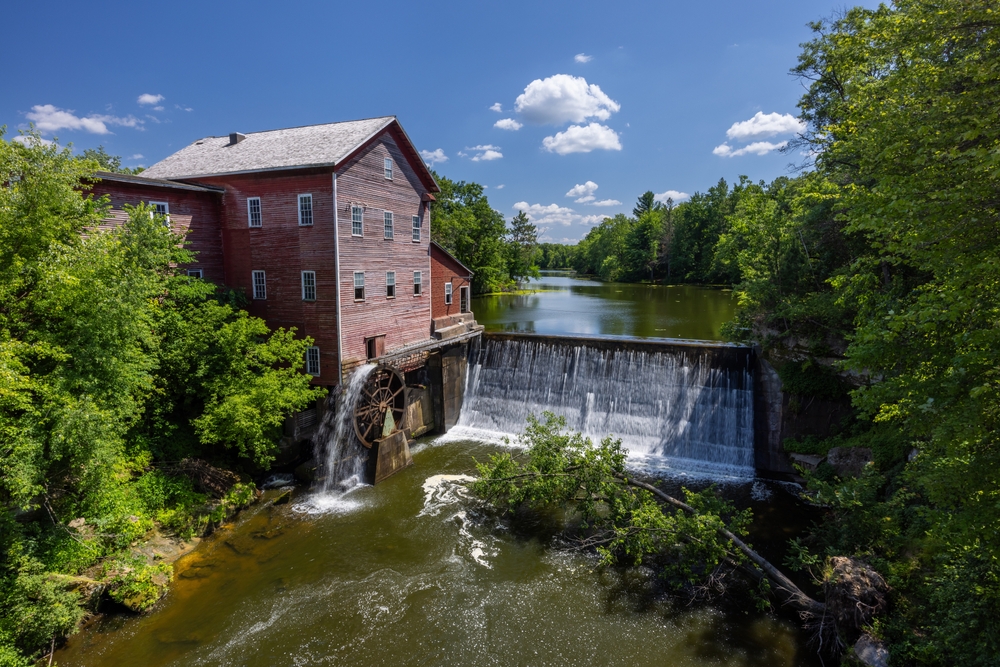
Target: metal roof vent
column 235, row 138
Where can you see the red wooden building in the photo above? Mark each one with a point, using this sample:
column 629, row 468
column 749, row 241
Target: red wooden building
column 325, row 227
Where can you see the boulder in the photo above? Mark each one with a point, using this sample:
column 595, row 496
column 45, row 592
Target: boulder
column 849, row 461
column 807, row 461
column 871, row 651
column 854, row 593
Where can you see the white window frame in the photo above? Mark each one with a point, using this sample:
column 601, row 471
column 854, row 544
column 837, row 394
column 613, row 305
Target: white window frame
column 416, row 228
column 195, row 273
column 312, row 361
column 418, row 283
column 357, row 224
column 306, row 197
column 259, row 286
column 387, row 168
column 251, row 221
column 390, row 282
column 360, row 285
column 308, row 285
column 447, row 294
column 166, row 210
column 388, row 225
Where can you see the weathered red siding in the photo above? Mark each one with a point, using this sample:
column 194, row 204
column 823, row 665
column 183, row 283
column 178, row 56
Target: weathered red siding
column 406, row 318
column 283, row 249
column 444, row 269
column 196, row 213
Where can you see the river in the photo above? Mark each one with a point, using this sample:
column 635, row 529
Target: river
column 407, row 573
column 411, row 573
column 559, row 303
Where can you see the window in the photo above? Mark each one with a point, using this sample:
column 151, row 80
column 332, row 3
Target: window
column 312, row 361
column 388, row 224
column 463, row 299
column 357, row 221
column 305, row 210
column 388, row 168
column 418, row 280
column 253, row 211
column 160, row 208
column 308, row 285
column 390, row 284
column 194, row 273
column 359, row 285
column 416, row 229
column 375, row 347
column 260, row 285
column 447, row 293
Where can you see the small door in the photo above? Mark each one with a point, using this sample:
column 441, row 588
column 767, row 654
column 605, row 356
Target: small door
column 463, row 299
column 374, row 347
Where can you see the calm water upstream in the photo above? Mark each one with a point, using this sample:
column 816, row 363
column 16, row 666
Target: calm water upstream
column 563, row 304
column 406, row 573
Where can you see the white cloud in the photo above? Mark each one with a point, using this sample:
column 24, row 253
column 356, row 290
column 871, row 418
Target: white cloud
column 508, row 124
column 563, row 98
column 583, row 139
column 486, row 152
column 49, row 118
column 157, row 108
column 757, row 148
column 554, row 214
column 487, row 155
column 30, row 140
column 676, row 195
column 149, row 99
column 607, row 202
column 501, row 186
column 765, row 125
column 137, row 156
column 497, row 107
column 177, row 106
column 582, row 58
column 583, row 191
column 433, row 157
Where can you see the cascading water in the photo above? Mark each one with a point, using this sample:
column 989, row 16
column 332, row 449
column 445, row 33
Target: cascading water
column 335, row 442
column 677, row 410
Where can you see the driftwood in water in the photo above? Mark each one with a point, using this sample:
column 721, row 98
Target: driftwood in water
column 782, row 585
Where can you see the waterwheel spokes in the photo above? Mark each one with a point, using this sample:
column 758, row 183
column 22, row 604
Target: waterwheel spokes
column 384, row 390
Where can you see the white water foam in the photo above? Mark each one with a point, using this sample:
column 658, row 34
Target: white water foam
column 675, row 413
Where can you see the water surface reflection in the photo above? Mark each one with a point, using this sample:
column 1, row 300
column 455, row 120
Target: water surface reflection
column 563, row 304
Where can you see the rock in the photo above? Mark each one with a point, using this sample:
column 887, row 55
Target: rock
column 871, row 651
column 807, row 461
column 283, row 498
column 77, row 523
column 307, row 471
column 207, row 478
column 849, row 461
column 854, row 591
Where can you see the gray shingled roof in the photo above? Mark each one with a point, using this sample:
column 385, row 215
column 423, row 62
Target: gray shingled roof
column 309, row 146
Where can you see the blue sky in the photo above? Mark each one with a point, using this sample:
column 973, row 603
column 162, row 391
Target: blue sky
column 598, row 102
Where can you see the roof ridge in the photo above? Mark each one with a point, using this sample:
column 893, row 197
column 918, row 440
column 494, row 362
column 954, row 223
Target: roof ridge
column 299, row 127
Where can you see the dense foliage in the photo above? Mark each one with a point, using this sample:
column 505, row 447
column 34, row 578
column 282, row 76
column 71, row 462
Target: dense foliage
column 887, row 256
column 560, row 469
column 111, row 365
column 464, row 224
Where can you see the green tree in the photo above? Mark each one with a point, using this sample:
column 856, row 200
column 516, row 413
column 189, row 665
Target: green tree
column 465, row 224
column 522, row 240
column 107, row 162
column 646, row 204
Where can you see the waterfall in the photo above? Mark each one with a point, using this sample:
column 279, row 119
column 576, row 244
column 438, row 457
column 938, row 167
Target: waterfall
column 676, row 409
column 335, row 442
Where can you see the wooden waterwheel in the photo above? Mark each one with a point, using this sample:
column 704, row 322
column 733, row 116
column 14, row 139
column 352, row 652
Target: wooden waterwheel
column 384, row 393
